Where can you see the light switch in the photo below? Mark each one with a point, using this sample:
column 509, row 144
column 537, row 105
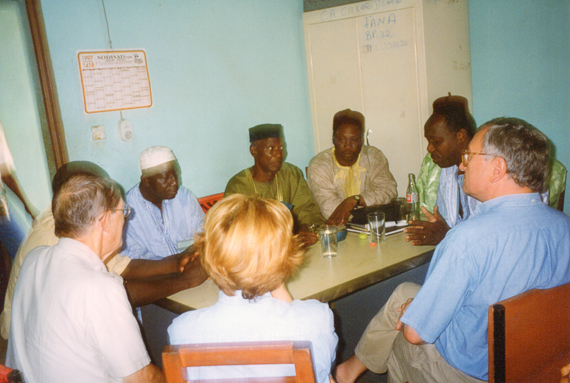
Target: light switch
column 98, row 132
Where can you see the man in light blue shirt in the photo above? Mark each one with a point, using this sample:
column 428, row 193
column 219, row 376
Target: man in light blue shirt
column 165, row 216
column 448, row 131
column 513, row 243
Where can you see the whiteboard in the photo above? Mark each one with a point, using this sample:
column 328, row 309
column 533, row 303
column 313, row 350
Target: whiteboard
column 371, row 57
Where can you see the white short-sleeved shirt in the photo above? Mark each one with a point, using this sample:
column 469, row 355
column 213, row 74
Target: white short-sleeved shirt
column 42, row 234
column 235, row 319
column 71, row 320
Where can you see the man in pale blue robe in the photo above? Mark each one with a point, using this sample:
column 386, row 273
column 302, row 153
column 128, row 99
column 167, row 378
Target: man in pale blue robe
column 165, row 216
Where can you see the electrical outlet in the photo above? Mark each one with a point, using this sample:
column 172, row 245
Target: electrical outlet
column 98, row 132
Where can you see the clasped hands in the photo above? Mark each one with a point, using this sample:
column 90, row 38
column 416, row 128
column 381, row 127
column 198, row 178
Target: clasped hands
column 190, row 266
column 430, row 232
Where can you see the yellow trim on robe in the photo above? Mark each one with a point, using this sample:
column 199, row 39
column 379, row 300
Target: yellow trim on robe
column 349, row 176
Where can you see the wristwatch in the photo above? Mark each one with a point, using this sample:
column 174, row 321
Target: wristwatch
column 357, row 198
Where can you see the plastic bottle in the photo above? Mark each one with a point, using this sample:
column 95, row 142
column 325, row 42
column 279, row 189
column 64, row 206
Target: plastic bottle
column 412, row 198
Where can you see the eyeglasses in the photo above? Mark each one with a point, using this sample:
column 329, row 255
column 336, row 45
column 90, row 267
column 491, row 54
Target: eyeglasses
column 466, row 156
column 273, row 150
column 126, row 211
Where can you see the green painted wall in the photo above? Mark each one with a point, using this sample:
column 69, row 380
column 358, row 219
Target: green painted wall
column 216, row 69
column 19, row 108
column 520, row 59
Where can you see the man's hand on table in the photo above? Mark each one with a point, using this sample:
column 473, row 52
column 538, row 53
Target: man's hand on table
column 342, row 212
column 306, row 236
column 430, row 232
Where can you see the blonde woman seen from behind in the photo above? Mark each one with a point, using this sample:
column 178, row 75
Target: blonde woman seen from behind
column 248, row 249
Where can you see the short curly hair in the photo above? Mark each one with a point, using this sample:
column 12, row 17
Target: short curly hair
column 455, row 109
column 248, row 245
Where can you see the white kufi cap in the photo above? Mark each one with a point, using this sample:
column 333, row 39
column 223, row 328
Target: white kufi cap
column 156, row 155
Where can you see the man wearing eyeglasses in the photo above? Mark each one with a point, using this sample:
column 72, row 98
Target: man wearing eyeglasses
column 165, row 215
column 271, row 177
column 514, row 242
column 71, row 318
column 145, row 281
column 448, row 131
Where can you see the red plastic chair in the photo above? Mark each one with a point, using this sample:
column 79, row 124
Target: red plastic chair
column 8, row 375
column 208, row 201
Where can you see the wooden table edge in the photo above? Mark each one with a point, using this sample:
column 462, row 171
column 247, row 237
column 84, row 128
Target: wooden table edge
column 336, row 292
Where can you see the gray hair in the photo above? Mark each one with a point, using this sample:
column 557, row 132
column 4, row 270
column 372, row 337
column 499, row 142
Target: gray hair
column 525, row 149
column 80, row 201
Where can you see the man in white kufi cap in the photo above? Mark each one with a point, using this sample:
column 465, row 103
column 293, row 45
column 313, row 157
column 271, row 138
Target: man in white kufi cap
column 165, row 215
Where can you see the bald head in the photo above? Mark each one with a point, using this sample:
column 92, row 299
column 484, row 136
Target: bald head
column 70, row 169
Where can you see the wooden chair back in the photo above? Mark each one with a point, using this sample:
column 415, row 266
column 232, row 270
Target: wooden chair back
column 529, row 336
column 177, row 358
column 208, row 201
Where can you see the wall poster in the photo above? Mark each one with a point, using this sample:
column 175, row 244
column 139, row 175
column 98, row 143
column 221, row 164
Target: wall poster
column 114, row 80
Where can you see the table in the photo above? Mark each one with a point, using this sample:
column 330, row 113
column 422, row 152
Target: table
column 356, row 283
column 357, row 266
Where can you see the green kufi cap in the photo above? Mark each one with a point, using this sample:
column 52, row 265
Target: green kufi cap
column 263, row 131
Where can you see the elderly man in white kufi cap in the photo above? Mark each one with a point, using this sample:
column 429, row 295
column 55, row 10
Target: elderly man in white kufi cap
column 165, row 215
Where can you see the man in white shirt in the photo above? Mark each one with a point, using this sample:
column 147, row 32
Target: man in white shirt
column 147, row 280
column 71, row 319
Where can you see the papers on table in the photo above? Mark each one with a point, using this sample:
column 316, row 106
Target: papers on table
column 391, row 227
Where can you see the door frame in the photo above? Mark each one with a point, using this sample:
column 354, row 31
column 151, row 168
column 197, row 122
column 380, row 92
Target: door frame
column 54, row 140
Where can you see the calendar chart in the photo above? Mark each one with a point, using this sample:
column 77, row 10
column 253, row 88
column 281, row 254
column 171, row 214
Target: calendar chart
column 114, row 80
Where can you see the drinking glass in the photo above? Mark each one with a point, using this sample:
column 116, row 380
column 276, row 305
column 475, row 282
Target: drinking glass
column 329, row 244
column 377, row 225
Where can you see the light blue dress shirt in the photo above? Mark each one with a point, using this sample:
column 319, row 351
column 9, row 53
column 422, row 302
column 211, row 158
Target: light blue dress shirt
column 235, row 319
column 449, row 193
column 150, row 235
column 512, row 244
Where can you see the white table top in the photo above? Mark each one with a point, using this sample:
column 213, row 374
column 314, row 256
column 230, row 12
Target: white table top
column 358, row 265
